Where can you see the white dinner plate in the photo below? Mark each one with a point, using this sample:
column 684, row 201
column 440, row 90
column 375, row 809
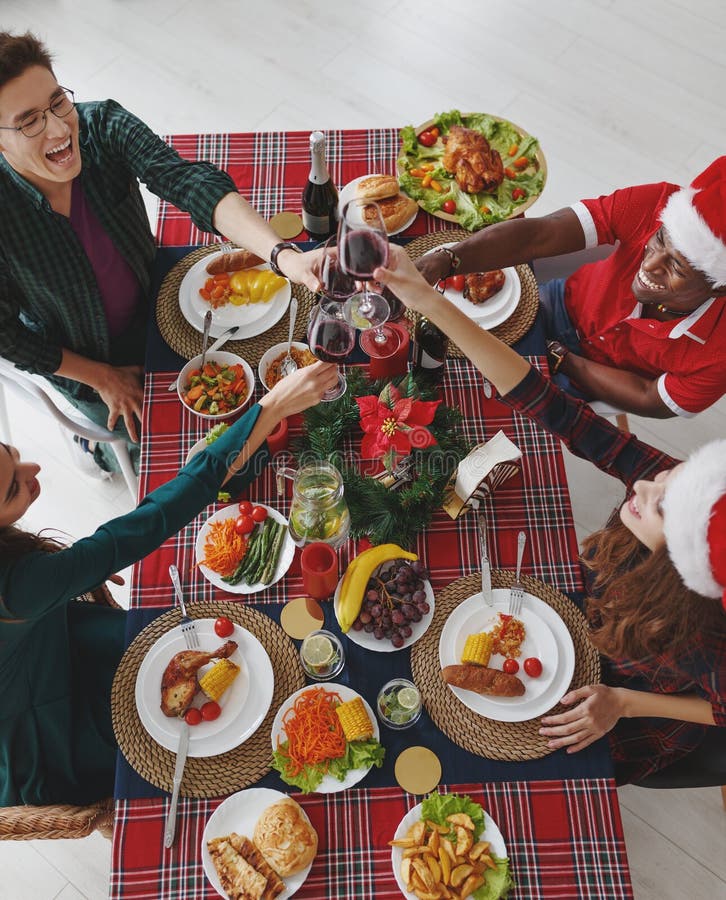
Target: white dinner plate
column 195, row 448
column 283, row 563
column 239, row 813
column 491, row 833
column 547, row 638
column 252, row 318
column 244, row 704
column 364, row 639
column 498, row 308
column 329, row 784
column 347, row 194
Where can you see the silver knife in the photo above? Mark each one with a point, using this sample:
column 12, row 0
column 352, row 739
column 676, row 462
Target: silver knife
column 486, row 572
column 222, row 339
column 181, row 758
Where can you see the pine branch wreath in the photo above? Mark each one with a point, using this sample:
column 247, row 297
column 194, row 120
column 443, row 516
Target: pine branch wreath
column 382, row 514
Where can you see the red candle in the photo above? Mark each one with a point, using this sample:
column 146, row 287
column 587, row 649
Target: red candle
column 390, row 357
column 277, row 440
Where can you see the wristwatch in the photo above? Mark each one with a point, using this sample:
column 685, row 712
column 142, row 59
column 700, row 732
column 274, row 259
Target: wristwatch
column 556, row 355
column 277, row 250
column 454, row 260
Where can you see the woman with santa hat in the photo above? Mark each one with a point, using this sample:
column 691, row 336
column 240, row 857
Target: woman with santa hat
column 644, row 329
column 656, row 573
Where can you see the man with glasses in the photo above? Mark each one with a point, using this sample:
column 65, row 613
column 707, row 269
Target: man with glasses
column 75, row 244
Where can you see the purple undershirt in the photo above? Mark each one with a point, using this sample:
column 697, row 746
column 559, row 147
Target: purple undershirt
column 119, row 287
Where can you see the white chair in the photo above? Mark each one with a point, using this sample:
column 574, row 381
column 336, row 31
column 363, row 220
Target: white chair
column 561, row 267
column 40, row 394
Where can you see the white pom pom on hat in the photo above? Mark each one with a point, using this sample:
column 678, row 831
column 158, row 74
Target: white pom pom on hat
column 695, row 218
column 694, row 520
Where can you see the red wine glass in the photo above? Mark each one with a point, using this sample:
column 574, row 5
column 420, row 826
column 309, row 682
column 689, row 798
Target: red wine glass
column 336, row 283
column 363, row 247
column 331, row 339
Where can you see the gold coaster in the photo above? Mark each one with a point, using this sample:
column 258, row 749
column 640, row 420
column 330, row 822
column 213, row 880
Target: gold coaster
column 286, row 225
column 418, row 770
column 301, row 616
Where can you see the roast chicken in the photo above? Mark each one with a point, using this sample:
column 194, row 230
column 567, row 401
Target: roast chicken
column 179, row 682
column 473, row 163
column 480, row 286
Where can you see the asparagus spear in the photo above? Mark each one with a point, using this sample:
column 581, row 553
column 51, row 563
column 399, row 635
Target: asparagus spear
column 269, row 571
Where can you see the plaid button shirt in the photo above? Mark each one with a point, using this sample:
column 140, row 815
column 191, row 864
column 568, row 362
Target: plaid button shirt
column 49, row 297
column 639, row 746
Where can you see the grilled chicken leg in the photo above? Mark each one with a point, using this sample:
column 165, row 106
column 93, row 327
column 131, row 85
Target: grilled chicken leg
column 179, row 682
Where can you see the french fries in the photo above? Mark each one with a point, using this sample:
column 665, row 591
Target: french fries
column 436, row 867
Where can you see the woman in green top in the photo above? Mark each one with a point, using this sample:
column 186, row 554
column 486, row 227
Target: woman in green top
column 58, row 655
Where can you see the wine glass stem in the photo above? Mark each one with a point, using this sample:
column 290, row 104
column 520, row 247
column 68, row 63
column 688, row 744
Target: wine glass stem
column 365, row 306
column 379, row 335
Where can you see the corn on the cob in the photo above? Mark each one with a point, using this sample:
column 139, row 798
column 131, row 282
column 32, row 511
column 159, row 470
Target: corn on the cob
column 356, row 723
column 477, row 649
column 216, row 681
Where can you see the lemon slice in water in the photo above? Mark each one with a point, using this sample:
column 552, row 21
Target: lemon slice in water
column 318, row 650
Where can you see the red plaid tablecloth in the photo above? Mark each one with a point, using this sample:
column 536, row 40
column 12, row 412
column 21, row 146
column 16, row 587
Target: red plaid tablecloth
column 564, row 838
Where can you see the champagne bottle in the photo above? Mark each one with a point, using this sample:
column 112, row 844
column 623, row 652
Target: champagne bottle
column 320, row 198
column 430, row 345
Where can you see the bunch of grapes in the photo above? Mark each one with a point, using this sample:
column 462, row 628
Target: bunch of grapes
column 394, row 600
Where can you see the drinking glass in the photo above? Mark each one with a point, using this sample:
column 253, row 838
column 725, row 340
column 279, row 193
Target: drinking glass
column 363, row 247
column 336, row 283
column 331, row 339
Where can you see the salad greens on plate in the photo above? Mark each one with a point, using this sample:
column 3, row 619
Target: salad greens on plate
column 523, row 177
column 358, row 755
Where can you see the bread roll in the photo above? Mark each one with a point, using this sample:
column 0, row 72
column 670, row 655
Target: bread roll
column 376, row 187
column 396, row 211
column 285, row 838
column 483, row 680
column 233, row 262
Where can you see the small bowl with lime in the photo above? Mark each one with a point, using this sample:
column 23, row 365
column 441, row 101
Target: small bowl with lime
column 321, row 655
column 399, row 703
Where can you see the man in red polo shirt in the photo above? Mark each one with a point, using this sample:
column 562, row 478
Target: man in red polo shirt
column 644, row 329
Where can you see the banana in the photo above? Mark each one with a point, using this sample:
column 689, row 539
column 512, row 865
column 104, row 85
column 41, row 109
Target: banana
column 355, row 580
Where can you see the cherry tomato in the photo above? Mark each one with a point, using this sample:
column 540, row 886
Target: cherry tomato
column 223, row 627
column 193, row 716
column 427, row 139
column 533, row 667
column 211, row 710
column 518, row 194
column 449, row 206
column 458, row 282
column 245, row 508
column 259, row 513
column 511, row 666
column 244, row 524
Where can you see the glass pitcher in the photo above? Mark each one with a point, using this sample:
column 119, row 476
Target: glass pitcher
column 318, row 511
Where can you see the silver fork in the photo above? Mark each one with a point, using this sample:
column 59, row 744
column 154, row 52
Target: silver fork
column 191, row 638
column 516, row 592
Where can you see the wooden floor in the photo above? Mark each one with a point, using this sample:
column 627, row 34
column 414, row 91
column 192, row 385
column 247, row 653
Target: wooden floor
column 618, row 91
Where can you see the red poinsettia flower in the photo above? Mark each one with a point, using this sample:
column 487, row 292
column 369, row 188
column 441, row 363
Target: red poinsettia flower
column 394, row 425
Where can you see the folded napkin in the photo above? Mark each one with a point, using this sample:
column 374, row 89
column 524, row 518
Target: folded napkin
column 480, row 473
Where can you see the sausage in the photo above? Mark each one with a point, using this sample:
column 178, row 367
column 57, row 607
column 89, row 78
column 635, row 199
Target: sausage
column 233, row 262
column 483, row 680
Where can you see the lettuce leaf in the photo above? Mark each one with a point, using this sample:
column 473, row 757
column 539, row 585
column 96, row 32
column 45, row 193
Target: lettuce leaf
column 216, row 431
column 358, row 755
column 437, row 807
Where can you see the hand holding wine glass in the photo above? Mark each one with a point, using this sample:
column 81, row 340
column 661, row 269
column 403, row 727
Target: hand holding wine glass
column 363, row 248
column 336, row 284
column 331, row 339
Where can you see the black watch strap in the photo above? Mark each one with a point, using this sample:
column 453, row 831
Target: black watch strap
column 277, row 250
column 556, row 353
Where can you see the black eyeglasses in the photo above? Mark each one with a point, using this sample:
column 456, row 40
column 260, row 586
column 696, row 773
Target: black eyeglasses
column 34, row 123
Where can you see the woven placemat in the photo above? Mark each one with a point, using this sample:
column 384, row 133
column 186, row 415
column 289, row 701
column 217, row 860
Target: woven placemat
column 187, row 341
column 210, row 776
column 520, row 321
column 515, row 741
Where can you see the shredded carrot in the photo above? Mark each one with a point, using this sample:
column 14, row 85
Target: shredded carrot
column 313, row 730
column 223, row 547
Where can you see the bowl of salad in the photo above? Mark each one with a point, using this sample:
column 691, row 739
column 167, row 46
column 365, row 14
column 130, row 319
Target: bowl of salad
column 218, row 391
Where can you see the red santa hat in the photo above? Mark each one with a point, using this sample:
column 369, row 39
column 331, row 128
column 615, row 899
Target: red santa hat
column 695, row 218
column 694, row 520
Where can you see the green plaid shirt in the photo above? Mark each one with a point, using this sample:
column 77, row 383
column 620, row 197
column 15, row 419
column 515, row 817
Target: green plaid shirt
column 49, row 297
